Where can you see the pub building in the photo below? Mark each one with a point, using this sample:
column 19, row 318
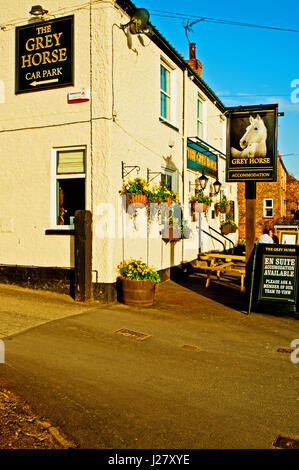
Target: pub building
column 91, row 95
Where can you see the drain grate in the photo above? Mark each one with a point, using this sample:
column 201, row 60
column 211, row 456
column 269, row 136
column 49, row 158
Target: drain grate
column 285, row 350
column 190, row 347
column 132, row 334
column 286, row 443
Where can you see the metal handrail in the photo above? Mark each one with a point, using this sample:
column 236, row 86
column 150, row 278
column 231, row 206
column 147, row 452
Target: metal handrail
column 219, row 233
column 207, row 233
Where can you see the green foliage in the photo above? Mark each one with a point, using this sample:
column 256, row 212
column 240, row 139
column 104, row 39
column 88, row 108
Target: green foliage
column 158, row 194
column 229, row 223
column 161, row 192
column 223, row 203
column 136, row 186
column 137, row 270
column 201, row 198
column 286, row 221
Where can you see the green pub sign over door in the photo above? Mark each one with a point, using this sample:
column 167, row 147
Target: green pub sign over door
column 45, row 55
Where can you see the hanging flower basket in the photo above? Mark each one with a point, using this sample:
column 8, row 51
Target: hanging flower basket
column 223, row 206
column 138, row 201
column 228, row 228
column 200, row 207
column 199, row 203
column 171, row 234
column 223, row 210
column 168, row 201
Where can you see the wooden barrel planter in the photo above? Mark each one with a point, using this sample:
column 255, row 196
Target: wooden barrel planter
column 138, row 201
column 137, row 293
column 171, row 234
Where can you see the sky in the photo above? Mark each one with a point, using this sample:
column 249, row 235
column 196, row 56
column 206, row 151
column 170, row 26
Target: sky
column 243, row 65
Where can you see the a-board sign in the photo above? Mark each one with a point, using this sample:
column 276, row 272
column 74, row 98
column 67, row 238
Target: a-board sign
column 252, row 143
column 45, row 55
column 275, row 277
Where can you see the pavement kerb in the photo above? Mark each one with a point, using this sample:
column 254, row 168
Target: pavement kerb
column 56, row 434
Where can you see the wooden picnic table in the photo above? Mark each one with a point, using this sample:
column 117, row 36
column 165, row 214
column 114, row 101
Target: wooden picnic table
column 212, row 256
column 226, row 261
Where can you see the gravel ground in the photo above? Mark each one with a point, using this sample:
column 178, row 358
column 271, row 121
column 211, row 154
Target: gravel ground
column 21, row 429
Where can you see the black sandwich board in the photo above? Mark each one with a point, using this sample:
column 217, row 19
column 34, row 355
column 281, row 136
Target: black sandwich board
column 274, row 278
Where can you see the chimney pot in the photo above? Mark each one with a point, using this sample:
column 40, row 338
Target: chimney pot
column 192, row 61
column 192, row 54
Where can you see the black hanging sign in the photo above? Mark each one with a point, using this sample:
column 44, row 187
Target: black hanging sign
column 251, row 143
column 275, row 277
column 45, row 55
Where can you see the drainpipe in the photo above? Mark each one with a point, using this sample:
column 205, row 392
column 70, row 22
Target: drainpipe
column 184, row 148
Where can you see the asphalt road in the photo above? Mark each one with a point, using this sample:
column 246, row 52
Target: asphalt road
column 206, row 377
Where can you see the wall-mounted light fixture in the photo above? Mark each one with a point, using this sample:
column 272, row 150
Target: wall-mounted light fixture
column 38, row 10
column 217, row 186
column 139, row 23
column 201, row 184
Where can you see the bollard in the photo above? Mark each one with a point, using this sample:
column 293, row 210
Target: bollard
column 83, row 255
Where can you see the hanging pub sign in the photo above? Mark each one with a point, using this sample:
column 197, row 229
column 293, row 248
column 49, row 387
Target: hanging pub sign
column 200, row 158
column 275, row 277
column 45, row 55
column 252, row 143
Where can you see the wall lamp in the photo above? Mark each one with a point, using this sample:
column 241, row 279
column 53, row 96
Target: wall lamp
column 38, row 10
column 217, row 186
column 202, row 182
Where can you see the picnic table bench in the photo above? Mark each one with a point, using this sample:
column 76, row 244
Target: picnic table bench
column 213, row 265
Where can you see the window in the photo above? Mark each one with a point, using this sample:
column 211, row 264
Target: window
column 283, row 206
column 268, row 207
column 69, row 185
column 167, row 93
column 169, row 178
column 199, row 118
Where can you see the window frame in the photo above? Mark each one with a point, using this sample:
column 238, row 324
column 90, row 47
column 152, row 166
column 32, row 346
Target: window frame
column 172, row 172
column 200, row 119
column 265, row 208
column 56, row 176
column 171, row 93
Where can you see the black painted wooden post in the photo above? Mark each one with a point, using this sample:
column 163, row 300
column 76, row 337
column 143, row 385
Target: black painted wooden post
column 250, row 197
column 83, row 255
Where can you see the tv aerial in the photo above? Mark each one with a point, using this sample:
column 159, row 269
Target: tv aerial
column 188, row 26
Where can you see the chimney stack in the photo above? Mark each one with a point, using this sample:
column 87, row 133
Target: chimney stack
column 193, row 62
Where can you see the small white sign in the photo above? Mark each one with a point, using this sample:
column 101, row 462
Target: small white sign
column 79, row 96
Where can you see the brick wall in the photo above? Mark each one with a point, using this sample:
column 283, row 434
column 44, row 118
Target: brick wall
column 265, row 190
column 292, row 195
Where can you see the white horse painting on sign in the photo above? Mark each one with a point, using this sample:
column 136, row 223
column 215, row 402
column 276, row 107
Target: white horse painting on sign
column 253, row 142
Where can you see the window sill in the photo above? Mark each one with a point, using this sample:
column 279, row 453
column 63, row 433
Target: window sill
column 270, row 217
column 60, row 231
column 167, row 123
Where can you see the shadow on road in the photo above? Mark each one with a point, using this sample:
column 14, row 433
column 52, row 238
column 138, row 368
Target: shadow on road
column 223, row 292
